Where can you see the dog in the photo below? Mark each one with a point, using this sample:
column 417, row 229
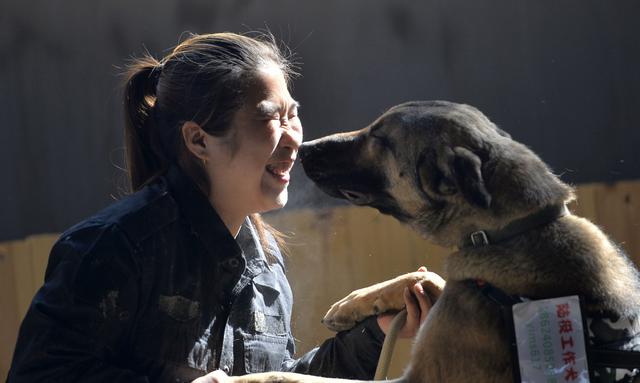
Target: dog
column 445, row 170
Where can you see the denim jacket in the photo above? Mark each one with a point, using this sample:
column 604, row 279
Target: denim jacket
column 155, row 288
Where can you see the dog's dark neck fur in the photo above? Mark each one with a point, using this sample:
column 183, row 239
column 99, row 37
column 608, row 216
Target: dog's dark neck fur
column 521, row 183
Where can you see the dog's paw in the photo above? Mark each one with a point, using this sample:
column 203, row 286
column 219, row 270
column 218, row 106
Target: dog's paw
column 351, row 309
column 379, row 298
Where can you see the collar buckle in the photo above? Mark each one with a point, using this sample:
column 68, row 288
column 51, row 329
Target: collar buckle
column 479, row 238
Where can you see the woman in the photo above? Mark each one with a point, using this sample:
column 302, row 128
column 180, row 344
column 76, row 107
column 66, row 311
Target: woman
column 183, row 277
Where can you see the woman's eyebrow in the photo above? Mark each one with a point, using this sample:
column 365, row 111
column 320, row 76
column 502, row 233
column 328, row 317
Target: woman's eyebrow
column 269, row 107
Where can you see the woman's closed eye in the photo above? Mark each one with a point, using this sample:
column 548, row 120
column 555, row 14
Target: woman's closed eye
column 268, row 111
column 293, row 112
column 275, row 117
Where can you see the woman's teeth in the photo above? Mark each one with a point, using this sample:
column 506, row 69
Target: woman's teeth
column 278, row 170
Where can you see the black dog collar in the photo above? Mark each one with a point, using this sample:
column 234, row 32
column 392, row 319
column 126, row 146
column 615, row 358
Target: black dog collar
column 542, row 217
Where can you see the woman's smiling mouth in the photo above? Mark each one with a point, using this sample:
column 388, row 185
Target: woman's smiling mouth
column 280, row 170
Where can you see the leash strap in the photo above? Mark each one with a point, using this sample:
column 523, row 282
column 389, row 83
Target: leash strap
column 382, row 370
column 495, row 294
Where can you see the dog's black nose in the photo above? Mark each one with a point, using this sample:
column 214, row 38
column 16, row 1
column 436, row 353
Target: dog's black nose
column 311, row 151
column 303, row 151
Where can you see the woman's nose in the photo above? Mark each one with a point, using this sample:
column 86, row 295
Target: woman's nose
column 292, row 137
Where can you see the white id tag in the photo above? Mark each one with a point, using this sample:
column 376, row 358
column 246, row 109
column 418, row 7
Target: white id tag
column 550, row 340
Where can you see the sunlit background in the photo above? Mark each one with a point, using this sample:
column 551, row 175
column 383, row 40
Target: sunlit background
column 560, row 76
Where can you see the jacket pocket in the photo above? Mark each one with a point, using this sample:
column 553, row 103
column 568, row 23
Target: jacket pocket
column 178, row 307
column 264, row 352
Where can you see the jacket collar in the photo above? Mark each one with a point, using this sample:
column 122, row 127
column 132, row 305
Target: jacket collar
column 207, row 225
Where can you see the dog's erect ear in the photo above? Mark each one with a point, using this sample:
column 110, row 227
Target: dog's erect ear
column 466, row 171
column 448, row 171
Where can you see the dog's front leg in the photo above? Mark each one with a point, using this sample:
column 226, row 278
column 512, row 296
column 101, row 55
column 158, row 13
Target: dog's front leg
column 380, row 298
column 285, row 377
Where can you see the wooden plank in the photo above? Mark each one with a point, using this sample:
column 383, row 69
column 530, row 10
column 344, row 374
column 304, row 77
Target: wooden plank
column 40, row 249
column 24, row 279
column 344, row 249
column 310, row 232
column 618, row 213
column 585, row 204
column 631, row 198
column 22, row 265
column 9, row 320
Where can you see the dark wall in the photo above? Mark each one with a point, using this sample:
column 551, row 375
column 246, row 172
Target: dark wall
column 561, row 77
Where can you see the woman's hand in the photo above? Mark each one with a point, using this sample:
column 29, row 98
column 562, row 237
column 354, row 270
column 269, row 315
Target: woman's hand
column 418, row 305
column 217, row 376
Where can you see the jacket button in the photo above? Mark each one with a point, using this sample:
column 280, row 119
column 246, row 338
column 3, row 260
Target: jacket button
column 226, row 369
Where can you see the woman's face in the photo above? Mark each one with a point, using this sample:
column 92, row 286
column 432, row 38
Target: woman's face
column 249, row 167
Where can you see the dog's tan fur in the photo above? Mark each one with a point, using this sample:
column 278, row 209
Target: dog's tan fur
column 446, row 170
column 379, row 298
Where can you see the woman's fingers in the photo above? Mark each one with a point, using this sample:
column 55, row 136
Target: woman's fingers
column 417, row 308
column 417, row 303
column 424, row 302
column 413, row 312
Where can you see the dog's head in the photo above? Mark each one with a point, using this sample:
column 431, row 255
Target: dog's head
column 441, row 167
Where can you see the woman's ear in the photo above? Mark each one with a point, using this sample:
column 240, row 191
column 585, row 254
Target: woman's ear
column 195, row 139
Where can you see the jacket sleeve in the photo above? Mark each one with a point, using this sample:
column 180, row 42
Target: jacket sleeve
column 79, row 321
column 351, row 354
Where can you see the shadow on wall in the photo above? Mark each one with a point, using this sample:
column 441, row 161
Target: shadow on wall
column 564, row 89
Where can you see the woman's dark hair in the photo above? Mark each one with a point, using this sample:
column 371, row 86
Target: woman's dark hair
column 204, row 79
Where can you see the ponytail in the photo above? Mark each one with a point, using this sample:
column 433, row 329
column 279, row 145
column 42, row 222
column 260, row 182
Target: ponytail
column 145, row 157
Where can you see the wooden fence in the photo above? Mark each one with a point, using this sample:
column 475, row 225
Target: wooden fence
column 333, row 252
